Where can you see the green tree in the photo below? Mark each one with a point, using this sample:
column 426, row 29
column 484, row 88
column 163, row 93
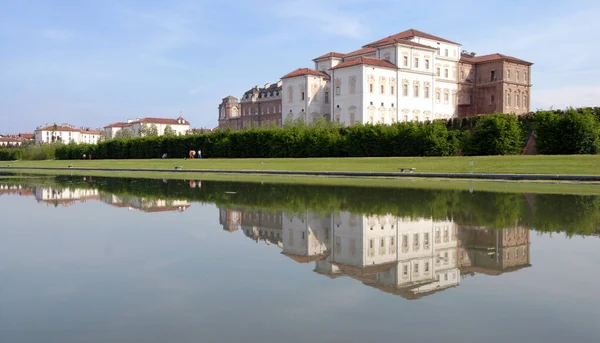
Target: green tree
column 124, row 134
column 149, row 130
column 497, row 134
column 169, row 131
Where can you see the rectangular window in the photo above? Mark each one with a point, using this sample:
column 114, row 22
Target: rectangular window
column 416, row 239
column 416, row 268
column 524, row 100
column 416, row 91
column 405, row 90
column 405, row 59
column 426, row 266
column 462, row 74
column 426, row 239
column 508, row 74
column 427, row 64
column 371, row 244
column 493, row 75
column 426, row 92
column 302, row 96
column 517, row 100
column 446, row 73
column 405, row 270
column 370, row 88
column 405, row 241
column 525, row 76
column 392, row 241
column 382, row 89
column 268, row 110
column 517, row 76
column 337, row 90
column 416, row 62
column 382, row 242
column 507, row 99
column 446, row 52
column 437, row 71
column 326, row 97
column 437, row 96
column 392, row 90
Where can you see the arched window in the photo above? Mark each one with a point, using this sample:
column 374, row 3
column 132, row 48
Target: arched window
column 352, row 113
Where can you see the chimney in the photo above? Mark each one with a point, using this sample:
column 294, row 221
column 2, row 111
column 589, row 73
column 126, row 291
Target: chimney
column 473, row 54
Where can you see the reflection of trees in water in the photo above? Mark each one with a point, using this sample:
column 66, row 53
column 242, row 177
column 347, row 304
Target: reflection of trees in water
column 574, row 214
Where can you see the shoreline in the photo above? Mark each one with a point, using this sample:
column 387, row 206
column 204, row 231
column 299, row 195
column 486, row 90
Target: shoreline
column 345, row 174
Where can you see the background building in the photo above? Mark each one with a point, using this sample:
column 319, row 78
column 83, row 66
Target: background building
column 66, row 133
column 258, row 107
column 178, row 126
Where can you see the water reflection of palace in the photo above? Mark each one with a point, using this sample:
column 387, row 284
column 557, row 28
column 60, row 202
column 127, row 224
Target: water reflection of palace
column 66, row 196
column 406, row 257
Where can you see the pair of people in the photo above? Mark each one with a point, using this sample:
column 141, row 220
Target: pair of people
column 194, row 154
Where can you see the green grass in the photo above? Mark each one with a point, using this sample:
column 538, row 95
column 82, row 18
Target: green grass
column 579, row 188
column 537, row 164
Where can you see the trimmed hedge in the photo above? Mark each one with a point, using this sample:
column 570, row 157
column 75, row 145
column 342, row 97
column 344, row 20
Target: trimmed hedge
column 11, row 154
column 574, row 131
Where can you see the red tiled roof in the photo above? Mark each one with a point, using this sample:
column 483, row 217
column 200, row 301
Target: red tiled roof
column 406, row 35
column 305, row 71
column 305, row 259
column 368, row 61
column 11, row 139
column 328, row 55
column 27, row 135
column 162, row 121
column 165, row 209
column 492, row 57
column 359, row 52
column 119, row 124
column 90, row 132
column 58, row 128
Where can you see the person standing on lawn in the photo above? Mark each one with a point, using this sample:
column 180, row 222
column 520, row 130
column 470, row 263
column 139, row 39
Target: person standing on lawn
column 199, row 153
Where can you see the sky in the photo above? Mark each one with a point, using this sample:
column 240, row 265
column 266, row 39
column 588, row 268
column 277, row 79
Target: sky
column 92, row 63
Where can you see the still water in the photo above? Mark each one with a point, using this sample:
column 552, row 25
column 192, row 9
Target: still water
column 121, row 260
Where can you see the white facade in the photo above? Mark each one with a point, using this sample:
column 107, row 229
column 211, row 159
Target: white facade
column 180, row 126
column 422, row 85
column 305, row 97
column 66, row 134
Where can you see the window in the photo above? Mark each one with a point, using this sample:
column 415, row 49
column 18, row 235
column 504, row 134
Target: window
column 416, row 268
column 416, row 239
column 405, row 89
column 462, row 74
column 517, row 100
column 507, row 99
column 371, row 244
column 405, row 270
column 446, row 52
column 416, row 62
column 382, row 89
column 508, row 74
column 392, row 241
column 437, row 72
column 370, row 88
column 337, row 90
column 446, row 73
column 426, row 239
column 524, row 100
column 427, row 64
column 405, row 241
column 268, row 110
column 382, row 242
column 416, row 95
column 437, row 96
column 302, row 96
column 517, row 76
column 326, row 97
column 392, row 90
column 446, row 97
column 426, row 92
column 493, row 75
column 525, row 76
column 405, row 59
column 426, row 266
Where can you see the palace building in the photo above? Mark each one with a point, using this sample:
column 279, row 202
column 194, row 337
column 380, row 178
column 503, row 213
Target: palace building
column 409, row 76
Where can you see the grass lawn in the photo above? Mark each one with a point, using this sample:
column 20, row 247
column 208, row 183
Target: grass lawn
column 580, row 188
column 537, row 164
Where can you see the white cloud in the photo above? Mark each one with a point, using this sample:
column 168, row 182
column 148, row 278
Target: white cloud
column 57, row 35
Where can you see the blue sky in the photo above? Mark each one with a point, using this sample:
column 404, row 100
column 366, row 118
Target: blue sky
column 96, row 62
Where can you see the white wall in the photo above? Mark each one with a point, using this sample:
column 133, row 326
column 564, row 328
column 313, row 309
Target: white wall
column 378, row 107
column 345, row 102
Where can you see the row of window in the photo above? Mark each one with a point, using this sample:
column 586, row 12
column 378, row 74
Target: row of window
column 494, row 76
column 263, row 110
column 519, row 102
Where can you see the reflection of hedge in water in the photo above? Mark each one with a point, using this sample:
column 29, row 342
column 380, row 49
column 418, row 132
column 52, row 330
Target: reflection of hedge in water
column 574, row 214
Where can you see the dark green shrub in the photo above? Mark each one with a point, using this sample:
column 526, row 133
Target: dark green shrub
column 497, row 134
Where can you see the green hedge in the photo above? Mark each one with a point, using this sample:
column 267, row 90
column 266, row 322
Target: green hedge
column 574, row 131
column 11, row 154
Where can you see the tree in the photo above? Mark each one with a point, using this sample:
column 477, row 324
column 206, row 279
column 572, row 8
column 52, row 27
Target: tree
column 497, row 134
column 149, row 131
column 124, row 134
column 169, row 131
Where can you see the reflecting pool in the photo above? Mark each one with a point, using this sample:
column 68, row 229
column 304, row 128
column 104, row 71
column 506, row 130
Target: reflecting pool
column 128, row 260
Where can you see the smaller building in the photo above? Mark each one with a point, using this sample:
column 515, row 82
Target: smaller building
column 178, row 126
column 66, row 133
column 16, row 140
column 258, row 107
